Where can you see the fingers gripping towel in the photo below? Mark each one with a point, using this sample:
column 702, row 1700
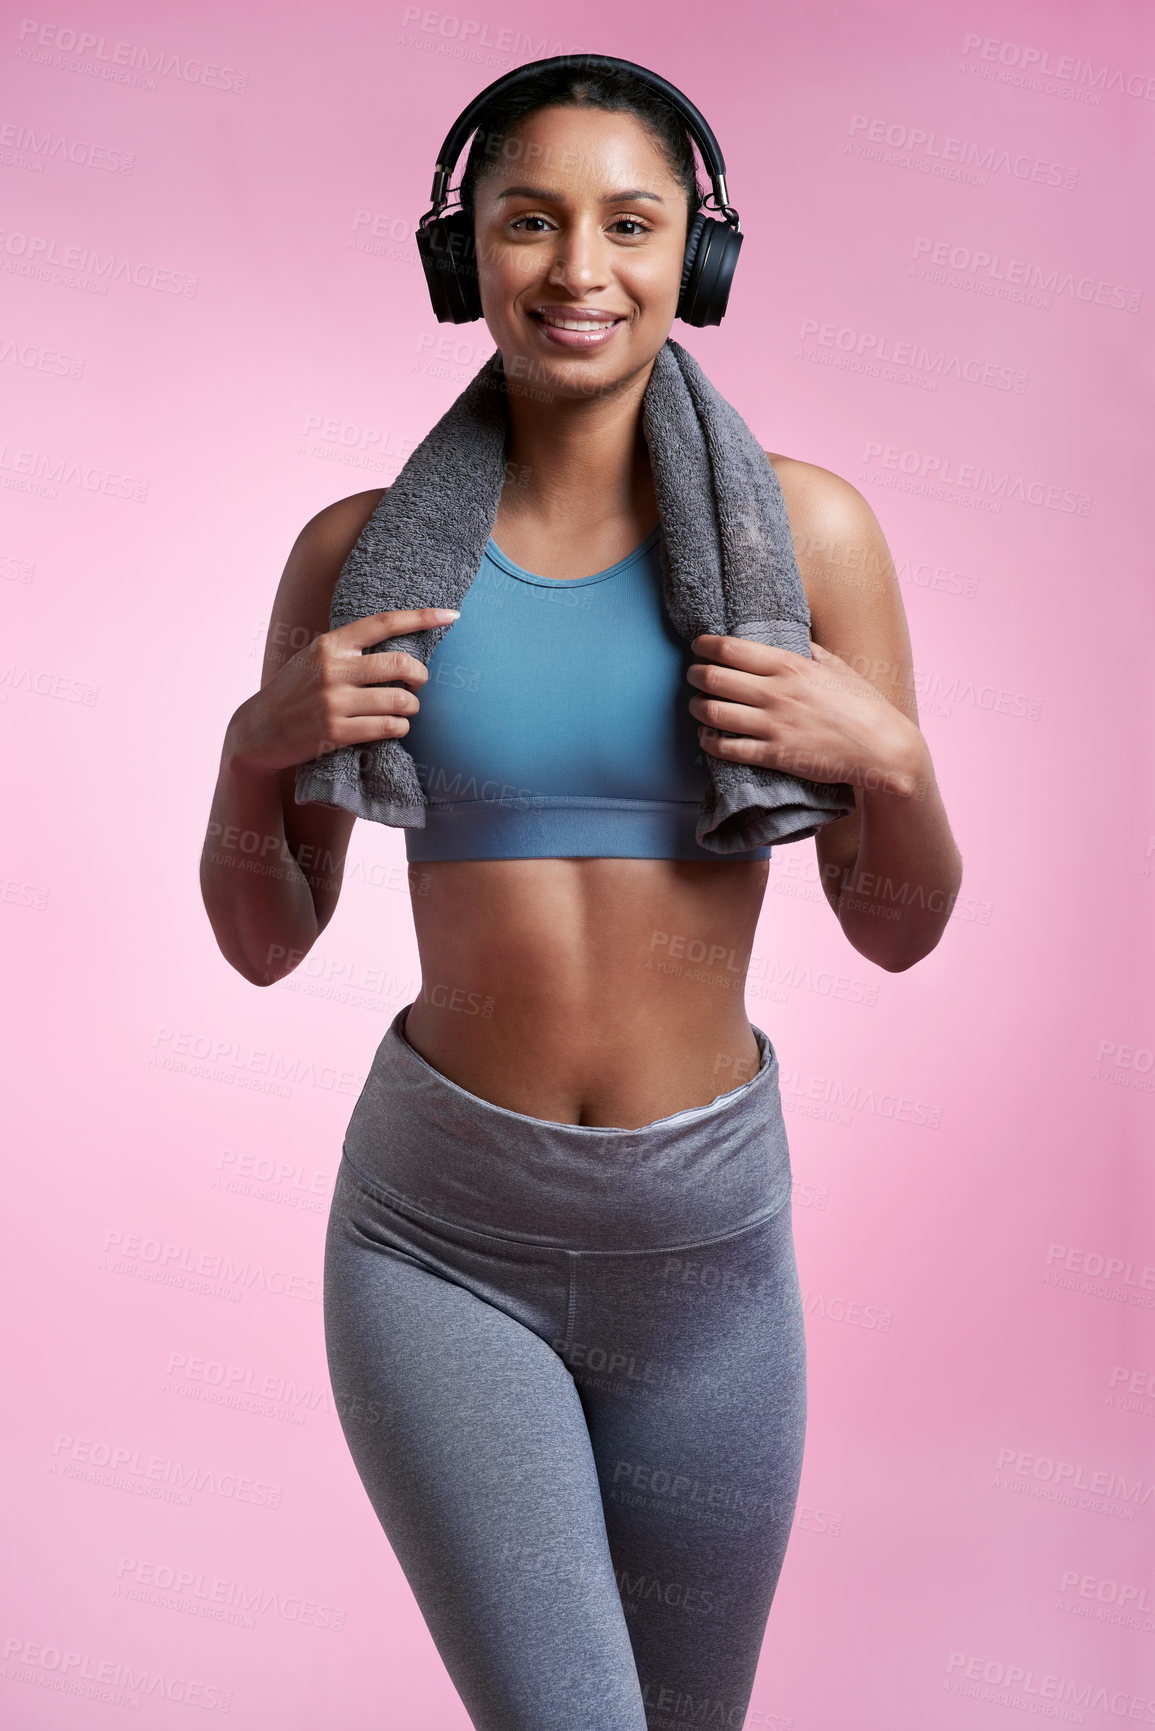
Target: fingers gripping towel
column 728, row 567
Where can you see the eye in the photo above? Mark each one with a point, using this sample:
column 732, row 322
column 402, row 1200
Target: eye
column 520, row 219
column 636, row 223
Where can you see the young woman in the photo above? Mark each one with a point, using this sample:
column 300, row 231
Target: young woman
column 561, row 1302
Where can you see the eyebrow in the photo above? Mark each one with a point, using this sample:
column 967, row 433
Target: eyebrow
column 548, row 197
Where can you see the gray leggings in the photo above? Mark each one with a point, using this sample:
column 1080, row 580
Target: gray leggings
column 571, row 1370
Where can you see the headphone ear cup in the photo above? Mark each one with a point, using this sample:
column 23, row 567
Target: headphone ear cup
column 448, row 255
column 708, row 270
column 693, row 242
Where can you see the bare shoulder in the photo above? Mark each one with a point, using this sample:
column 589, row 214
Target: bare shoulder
column 345, row 515
column 832, row 524
column 821, row 501
column 334, row 529
column 300, row 609
column 849, row 576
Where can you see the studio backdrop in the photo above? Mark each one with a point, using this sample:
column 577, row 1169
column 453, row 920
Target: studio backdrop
column 215, row 324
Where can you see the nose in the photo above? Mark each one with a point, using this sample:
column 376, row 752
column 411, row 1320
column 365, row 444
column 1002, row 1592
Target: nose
column 580, row 260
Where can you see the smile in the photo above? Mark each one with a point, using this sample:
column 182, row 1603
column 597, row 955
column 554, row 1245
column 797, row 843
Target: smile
column 577, row 329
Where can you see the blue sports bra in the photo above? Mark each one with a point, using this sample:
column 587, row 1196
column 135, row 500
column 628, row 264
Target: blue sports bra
column 555, row 721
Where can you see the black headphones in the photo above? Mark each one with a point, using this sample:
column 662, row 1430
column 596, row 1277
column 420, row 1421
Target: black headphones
column 446, row 243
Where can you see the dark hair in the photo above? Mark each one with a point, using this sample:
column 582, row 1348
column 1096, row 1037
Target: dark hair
column 569, row 87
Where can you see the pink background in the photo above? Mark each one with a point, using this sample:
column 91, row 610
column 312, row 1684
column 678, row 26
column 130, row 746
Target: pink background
column 216, row 324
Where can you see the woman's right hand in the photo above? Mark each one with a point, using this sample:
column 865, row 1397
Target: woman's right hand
column 330, row 694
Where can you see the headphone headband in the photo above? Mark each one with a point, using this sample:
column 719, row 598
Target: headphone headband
column 695, row 121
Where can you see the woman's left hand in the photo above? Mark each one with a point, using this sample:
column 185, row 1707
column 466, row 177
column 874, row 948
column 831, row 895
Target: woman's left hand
column 815, row 717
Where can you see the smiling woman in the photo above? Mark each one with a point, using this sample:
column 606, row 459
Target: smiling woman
column 577, row 326
column 576, row 1105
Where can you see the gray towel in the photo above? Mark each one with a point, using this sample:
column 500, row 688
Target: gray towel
column 728, row 566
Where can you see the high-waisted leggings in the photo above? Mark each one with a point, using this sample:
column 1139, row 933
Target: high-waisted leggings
column 570, row 1366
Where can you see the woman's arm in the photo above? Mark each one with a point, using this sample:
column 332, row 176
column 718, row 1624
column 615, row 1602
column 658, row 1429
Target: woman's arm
column 271, row 869
column 269, row 881
column 890, row 870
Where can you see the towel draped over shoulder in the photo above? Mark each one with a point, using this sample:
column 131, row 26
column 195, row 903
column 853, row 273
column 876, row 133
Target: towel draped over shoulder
column 728, row 566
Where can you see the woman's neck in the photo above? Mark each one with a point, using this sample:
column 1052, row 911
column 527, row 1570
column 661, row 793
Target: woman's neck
column 577, row 467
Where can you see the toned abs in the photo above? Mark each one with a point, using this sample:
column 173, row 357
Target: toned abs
column 587, row 991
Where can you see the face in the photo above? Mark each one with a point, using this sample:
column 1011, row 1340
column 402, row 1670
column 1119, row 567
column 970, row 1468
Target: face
column 581, row 223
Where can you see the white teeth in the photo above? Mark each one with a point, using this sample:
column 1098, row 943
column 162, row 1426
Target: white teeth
column 578, row 324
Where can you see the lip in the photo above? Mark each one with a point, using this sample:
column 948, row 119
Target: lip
column 608, row 323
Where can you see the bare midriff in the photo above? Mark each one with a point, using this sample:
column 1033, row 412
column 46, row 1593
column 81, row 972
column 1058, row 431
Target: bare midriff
column 587, row 991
